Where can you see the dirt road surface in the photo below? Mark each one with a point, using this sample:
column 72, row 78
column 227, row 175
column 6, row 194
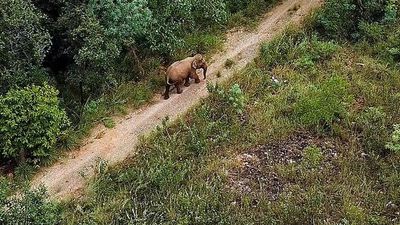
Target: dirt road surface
column 67, row 178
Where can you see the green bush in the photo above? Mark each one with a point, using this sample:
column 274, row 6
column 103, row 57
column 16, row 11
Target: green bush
column 26, row 207
column 323, row 104
column 391, row 11
column 374, row 134
column 106, row 31
column 394, row 144
column 234, row 97
column 30, row 122
column 199, row 43
column 312, row 51
column 294, row 47
column 372, row 32
column 341, row 19
column 250, row 8
column 337, row 19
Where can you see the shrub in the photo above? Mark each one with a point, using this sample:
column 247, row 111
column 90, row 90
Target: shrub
column 107, row 30
column 337, row 19
column 30, row 122
column 234, row 97
column 394, row 145
column 229, row 63
column 391, row 12
column 373, row 130
column 296, row 48
column 371, row 31
column 322, row 104
column 201, row 43
column 340, row 19
column 312, row 51
column 250, row 8
column 26, row 207
column 281, row 50
column 210, row 13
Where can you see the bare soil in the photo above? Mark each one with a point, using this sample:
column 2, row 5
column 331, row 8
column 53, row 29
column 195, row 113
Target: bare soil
column 67, row 177
column 256, row 171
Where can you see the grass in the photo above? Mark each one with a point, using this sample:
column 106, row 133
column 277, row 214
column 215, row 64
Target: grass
column 125, row 98
column 310, row 150
column 229, row 63
column 248, row 17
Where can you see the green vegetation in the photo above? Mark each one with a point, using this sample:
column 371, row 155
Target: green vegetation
column 67, row 65
column 29, row 207
column 229, row 63
column 31, row 121
column 315, row 144
column 103, row 57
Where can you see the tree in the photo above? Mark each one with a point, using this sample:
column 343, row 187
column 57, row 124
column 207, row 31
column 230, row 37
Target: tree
column 30, row 122
column 24, row 42
column 106, row 32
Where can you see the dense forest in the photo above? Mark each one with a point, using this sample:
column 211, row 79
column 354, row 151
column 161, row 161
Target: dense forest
column 60, row 58
column 308, row 133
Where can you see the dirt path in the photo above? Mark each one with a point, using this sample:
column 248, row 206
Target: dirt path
column 67, row 177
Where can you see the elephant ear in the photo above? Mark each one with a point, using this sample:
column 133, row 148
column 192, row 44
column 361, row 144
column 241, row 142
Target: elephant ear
column 194, row 64
column 197, row 58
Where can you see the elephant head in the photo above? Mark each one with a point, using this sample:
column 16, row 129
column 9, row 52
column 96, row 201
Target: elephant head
column 200, row 63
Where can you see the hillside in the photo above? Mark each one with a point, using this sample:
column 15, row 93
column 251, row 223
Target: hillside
column 65, row 179
column 297, row 124
column 306, row 134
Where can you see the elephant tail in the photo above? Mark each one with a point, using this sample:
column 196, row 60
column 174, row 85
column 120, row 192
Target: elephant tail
column 167, row 80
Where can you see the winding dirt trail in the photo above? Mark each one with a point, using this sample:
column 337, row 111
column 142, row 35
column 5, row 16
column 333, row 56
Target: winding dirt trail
column 67, row 177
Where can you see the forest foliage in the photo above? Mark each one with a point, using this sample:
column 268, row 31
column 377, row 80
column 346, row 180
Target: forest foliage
column 89, row 50
column 344, row 64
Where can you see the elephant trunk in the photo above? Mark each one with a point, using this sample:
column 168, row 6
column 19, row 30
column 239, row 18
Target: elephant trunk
column 205, row 70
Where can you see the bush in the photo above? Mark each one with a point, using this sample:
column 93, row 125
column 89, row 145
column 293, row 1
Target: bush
column 202, row 43
column 250, row 8
column 391, row 12
column 296, row 48
column 372, row 32
column 234, row 97
column 373, row 130
column 311, row 51
column 281, row 50
column 337, row 19
column 394, row 145
column 26, row 207
column 107, row 30
column 30, row 122
column 341, row 19
column 323, row 104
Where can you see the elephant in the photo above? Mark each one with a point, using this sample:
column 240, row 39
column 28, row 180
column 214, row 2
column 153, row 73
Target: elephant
column 183, row 70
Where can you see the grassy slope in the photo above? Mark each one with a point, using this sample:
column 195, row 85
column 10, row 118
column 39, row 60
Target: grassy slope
column 306, row 149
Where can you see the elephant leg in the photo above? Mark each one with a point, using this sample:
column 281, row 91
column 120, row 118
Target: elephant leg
column 166, row 94
column 178, row 87
column 187, row 82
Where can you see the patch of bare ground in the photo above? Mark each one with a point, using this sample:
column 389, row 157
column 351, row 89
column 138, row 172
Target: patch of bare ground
column 256, row 171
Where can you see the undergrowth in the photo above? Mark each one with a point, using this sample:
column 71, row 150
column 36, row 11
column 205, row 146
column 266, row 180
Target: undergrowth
column 340, row 92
